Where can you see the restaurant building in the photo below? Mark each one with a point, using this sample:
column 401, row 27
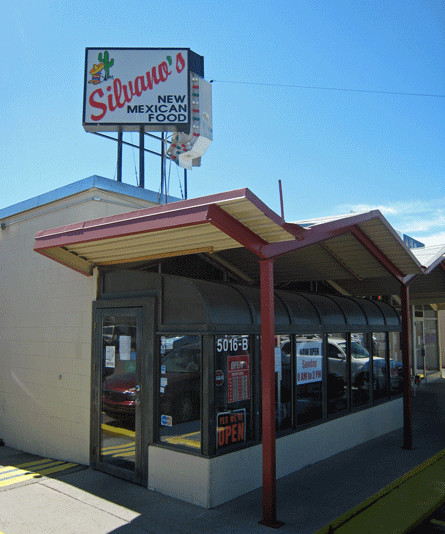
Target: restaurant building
column 199, row 347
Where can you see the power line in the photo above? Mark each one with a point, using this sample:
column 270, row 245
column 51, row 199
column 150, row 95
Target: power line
column 317, row 87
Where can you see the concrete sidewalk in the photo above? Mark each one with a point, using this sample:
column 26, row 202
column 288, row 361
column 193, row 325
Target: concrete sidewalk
column 81, row 500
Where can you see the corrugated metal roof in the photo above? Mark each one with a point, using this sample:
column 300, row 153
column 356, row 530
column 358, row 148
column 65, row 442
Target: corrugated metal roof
column 240, row 228
column 309, row 223
column 429, row 256
column 178, row 228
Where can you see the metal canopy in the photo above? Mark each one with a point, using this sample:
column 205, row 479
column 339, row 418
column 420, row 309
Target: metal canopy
column 238, row 228
column 428, row 288
column 207, row 224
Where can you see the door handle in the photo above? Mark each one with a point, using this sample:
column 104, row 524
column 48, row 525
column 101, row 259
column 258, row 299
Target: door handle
column 137, row 388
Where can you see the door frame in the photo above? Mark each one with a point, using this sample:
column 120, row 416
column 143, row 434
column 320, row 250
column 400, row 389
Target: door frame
column 145, row 310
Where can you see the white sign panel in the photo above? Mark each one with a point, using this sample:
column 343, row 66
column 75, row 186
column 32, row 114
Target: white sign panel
column 309, row 362
column 129, row 88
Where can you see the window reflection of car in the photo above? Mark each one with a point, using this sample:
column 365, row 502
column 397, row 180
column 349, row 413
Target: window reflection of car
column 181, row 393
column 360, row 365
column 337, row 358
column 119, row 395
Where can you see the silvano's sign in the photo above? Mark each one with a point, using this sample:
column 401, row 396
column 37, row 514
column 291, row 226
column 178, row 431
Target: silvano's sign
column 129, row 89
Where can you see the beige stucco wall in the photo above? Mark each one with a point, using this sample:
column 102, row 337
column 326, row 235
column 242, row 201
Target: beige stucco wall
column 45, row 332
column 211, row 482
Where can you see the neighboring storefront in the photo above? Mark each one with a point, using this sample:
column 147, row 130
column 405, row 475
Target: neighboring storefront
column 152, row 366
column 428, row 300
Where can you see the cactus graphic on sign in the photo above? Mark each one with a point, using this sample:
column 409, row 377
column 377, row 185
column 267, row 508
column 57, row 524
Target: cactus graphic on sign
column 107, row 62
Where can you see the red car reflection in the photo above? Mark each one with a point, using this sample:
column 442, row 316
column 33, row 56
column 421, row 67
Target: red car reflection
column 119, row 395
column 180, row 388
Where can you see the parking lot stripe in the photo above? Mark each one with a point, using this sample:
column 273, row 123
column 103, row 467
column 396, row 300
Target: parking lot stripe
column 21, row 475
column 118, row 430
column 27, row 464
column 116, row 448
column 184, row 439
column 16, row 471
column 121, row 452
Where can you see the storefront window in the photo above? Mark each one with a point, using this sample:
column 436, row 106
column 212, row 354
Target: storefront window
column 379, row 366
column 233, row 383
column 308, row 379
column 283, row 382
column 431, row 343
column 395, row 361
column 337, row 386
column 180, row 391
column 360, row 370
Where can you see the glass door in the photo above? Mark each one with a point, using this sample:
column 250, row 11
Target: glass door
column 117, row 392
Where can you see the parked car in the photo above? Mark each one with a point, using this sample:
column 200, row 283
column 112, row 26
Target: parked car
column 180, row 387
column 181, row 395
column 360, row 365
column 119, row 395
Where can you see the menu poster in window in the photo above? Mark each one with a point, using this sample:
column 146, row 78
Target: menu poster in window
column 238, row 378
column 233, row 368
column 230, row 427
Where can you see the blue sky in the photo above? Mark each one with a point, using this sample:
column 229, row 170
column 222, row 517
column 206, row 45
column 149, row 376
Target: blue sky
column 304, row 91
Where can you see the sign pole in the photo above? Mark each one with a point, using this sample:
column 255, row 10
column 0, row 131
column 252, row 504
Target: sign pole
column 141, row 158
column 163, row 184
column 119, row 156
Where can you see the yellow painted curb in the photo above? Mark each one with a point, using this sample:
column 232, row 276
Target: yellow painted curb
column 401, row 505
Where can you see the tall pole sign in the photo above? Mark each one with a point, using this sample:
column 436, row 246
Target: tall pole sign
column 150, row 90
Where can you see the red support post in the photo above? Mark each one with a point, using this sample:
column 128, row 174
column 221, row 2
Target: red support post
column 406, row 357
column 268, row 394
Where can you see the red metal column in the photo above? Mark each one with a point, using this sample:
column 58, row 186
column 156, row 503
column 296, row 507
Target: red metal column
column 268, row 394
column 406, row 357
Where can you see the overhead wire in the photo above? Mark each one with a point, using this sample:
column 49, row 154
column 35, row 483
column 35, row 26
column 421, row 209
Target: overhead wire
column 322, row 88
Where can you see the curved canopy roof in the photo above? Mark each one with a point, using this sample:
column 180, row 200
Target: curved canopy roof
column 200, row 305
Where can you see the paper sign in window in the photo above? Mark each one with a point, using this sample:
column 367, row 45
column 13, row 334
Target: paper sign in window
column 309, row 362
column 124, row 347
column 110, row 356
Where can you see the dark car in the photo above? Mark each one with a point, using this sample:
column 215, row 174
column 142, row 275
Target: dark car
column 181, row 383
